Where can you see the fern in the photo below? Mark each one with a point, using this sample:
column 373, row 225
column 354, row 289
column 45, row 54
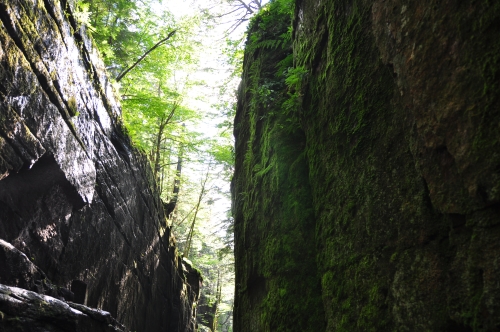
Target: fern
column 285, row 65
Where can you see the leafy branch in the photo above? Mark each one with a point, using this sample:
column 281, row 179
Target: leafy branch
column 164, row 40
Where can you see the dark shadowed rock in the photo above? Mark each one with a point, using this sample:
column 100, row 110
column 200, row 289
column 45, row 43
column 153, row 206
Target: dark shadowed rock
column 23, row 310
column 75, row 196
column 379, row 180
column 16, row 269
column 79, row 289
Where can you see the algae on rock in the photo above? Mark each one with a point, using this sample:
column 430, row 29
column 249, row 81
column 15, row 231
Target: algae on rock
column 274, row 247
column 396, row 131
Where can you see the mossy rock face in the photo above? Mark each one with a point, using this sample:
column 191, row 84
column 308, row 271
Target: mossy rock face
column 272, row 199
column 399, row 112
column 402, row 139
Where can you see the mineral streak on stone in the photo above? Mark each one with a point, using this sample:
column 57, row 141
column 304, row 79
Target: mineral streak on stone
column 399, row 106
column 75, row 197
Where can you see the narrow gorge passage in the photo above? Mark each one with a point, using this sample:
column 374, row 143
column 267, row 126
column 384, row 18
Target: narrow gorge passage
column 365, row 171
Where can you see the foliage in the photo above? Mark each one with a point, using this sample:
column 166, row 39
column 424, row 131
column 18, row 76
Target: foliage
column 153, row 93
column 233, row 13
column 272, row 200
column 163, row 119
column 295, row 78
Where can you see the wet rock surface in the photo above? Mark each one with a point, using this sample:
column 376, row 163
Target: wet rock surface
column 75, row 197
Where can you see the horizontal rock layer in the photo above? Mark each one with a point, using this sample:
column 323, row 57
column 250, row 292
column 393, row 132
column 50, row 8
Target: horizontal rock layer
column 75, row 196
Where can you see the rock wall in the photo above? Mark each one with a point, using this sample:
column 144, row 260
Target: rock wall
column 399, row 106
column 75, row 196
column 271, row 197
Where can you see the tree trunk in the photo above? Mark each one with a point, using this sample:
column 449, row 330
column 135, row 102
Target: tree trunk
column 164, row 121
column 191, row 229
column 170, row 206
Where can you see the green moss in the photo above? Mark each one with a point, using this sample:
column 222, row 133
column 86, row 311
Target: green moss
column 273, row 208
column 384, row 250
column 353, row 137
column 72, row 106
column 394, row 256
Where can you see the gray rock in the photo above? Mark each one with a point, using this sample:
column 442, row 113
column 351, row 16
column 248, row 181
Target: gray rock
column 23, row 310
column 16, row 269
column 75, row 196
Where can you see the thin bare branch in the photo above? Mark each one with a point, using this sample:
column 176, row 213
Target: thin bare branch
column 249, row 9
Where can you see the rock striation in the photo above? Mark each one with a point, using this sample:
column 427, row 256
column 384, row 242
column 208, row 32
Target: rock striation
column 395, row 121
column 77, row 200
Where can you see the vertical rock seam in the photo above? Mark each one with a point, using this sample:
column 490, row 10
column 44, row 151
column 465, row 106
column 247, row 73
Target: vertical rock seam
column 80, row 216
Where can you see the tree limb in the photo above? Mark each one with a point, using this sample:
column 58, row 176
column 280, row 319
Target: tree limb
column 125, row 72
column 249, row 9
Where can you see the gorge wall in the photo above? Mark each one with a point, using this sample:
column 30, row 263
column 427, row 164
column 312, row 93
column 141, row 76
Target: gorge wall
column 366, row 193
column 80, row 216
